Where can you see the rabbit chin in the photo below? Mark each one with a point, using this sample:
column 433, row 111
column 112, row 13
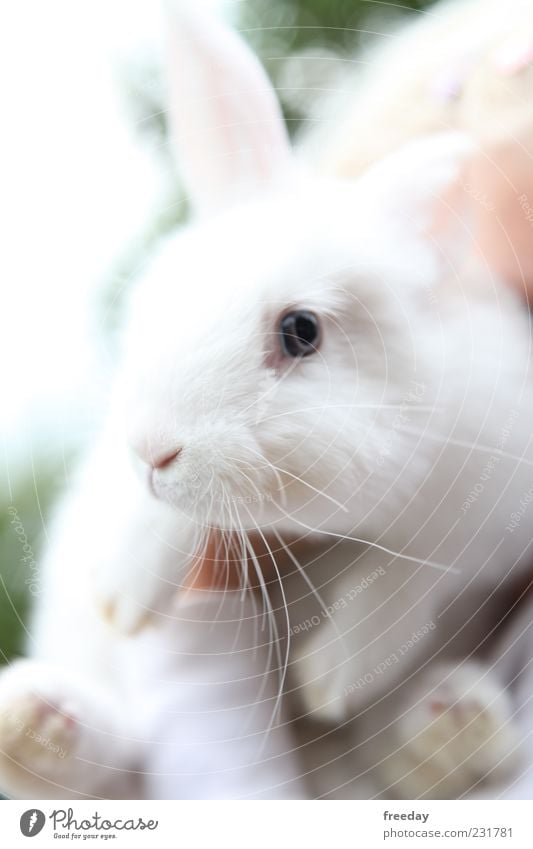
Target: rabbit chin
column 215, row 501
column 223, row 505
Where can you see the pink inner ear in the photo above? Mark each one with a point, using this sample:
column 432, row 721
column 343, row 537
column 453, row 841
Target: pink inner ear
column 228, row 127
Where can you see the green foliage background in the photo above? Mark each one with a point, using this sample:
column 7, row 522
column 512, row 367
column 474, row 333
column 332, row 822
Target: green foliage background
column 278, row 30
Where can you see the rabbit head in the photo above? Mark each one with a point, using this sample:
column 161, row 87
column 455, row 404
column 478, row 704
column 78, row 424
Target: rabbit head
column 276, row 339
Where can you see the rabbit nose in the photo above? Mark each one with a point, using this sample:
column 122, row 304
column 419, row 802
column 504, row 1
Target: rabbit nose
column 162, row 460
column 157, row 457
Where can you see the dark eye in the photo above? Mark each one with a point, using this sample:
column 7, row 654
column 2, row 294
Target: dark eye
column 300, row 333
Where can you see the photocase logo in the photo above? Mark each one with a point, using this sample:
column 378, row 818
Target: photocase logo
column 32, row 822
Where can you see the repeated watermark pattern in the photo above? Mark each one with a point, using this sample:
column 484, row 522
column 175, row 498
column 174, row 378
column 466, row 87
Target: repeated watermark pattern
column 526, row 208
column 34, row 735
column 413, row 396
column 256, row 498
column 479, row 196
column 340, row 603
column 491, row 464
column 518, row 515
column 391, row 659
column 28, row 558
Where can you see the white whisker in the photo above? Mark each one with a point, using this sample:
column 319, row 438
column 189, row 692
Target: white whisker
column 325, row 407
column 311, row 586
column 283, row 669
column 314, row 488
column 420, row 561
column 463, row 443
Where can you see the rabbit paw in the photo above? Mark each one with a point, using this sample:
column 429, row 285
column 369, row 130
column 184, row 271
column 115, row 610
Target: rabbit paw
column 35, row 731
column 130, row 606
column 457, row 732
column 39, row 730
column 51, row 734
column 319, row 675
column 335, row 684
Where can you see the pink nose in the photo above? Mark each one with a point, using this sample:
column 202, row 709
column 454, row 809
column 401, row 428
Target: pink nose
column 163, row 459
column 155, row 456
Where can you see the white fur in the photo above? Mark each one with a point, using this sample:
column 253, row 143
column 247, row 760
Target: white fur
column 368, row 449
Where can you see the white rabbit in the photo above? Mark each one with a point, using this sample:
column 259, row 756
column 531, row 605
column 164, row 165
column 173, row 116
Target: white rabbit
column 303, row 361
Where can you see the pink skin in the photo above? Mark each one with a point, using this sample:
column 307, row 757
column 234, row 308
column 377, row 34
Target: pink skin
column 507, row 243
column 499, row 183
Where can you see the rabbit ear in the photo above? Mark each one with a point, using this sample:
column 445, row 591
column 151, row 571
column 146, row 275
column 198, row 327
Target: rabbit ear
column 227, row 124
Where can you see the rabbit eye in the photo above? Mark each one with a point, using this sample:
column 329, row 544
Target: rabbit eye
column 300, row 333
